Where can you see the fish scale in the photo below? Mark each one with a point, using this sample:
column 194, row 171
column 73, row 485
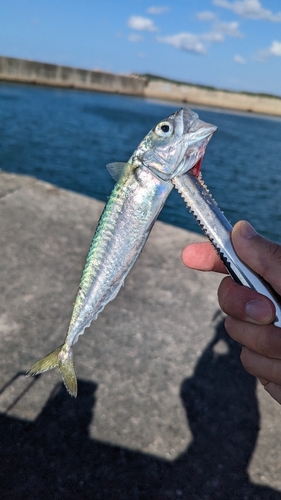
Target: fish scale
column 172, row 148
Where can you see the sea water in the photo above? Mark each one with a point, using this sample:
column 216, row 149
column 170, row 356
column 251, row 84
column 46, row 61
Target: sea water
column 67, row 137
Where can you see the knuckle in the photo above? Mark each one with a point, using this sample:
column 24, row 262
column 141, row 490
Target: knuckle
column 274, row 390
column 231, row 327
column 273, row 256
column 244, row 357
column 248, row 360
column 275, row 375
column 226, row 294
column 263, row 343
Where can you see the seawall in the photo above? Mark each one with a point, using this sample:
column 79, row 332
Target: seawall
column 24, row 71
column 210, row 97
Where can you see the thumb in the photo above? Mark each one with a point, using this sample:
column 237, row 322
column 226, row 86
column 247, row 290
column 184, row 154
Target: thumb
column 260, row 254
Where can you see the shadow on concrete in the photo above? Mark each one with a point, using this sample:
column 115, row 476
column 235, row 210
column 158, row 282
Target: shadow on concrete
column 54, row 457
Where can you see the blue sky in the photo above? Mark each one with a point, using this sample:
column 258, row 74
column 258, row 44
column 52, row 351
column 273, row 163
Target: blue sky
column 233, row 44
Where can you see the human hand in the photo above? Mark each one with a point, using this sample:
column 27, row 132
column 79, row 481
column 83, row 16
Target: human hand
column 250, row 315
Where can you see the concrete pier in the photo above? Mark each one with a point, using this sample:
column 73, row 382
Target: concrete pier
column 164, row 408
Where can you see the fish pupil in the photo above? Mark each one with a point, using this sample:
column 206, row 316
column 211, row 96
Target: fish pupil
column 165, row 128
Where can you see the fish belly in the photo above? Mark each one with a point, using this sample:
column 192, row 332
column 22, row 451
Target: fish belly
column 121, row 233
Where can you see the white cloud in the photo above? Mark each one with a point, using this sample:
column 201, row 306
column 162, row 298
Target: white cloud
column 219, row 29
column 206, row 15
column 199, row 43
column 273, row 50
column 141, row 23
column 251, row 9
column 239, row 59
column 227, row 29
column 158, row 10
column 184, row 41
column 134, row 37
column 212, row 36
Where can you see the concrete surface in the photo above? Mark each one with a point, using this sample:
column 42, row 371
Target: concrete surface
column 164, row 408
column 22, row 70
column 238, row 101
column 25, row 71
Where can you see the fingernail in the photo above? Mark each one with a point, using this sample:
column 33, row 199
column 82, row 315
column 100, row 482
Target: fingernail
column 247, row 231
column 258, row 310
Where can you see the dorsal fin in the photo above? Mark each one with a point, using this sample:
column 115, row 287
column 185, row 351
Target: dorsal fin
column 116, row 169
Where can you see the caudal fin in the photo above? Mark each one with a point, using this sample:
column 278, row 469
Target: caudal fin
column 62, row 358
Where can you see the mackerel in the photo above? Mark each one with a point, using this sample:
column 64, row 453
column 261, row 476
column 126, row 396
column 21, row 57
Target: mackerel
column 173, row 147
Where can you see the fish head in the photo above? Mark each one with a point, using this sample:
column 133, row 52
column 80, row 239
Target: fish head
column 175, row 145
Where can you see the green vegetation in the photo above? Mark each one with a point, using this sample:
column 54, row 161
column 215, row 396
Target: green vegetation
column 151, row 77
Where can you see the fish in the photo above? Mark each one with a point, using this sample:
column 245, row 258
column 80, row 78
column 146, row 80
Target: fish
column 174, row 146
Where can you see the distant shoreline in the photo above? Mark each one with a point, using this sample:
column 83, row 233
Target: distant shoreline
column 211, row 97
column 150, row 86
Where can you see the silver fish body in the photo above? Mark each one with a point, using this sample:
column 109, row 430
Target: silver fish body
column 120, row 236
column 173, row 147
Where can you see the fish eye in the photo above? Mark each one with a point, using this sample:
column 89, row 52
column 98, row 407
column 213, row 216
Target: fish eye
column 164, row 129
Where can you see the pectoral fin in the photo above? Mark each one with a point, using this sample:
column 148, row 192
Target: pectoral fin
column 116, row 169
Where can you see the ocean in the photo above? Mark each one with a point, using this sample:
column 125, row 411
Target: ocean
column 67, row 137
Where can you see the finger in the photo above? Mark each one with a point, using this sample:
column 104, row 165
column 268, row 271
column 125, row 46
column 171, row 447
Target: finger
column 202, row 256
column 244, row 303
column 262, row 255
column 274, row 390
column 263, row 339
column 261, row 366
column 263, row 381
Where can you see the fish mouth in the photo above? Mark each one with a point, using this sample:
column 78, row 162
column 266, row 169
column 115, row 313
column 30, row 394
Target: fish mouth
column 183, row 151
column 195, row 170
column 196, row 136
column 205, row 133
column 191, row 124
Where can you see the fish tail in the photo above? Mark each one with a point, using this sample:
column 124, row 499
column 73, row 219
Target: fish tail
column 62, row 358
